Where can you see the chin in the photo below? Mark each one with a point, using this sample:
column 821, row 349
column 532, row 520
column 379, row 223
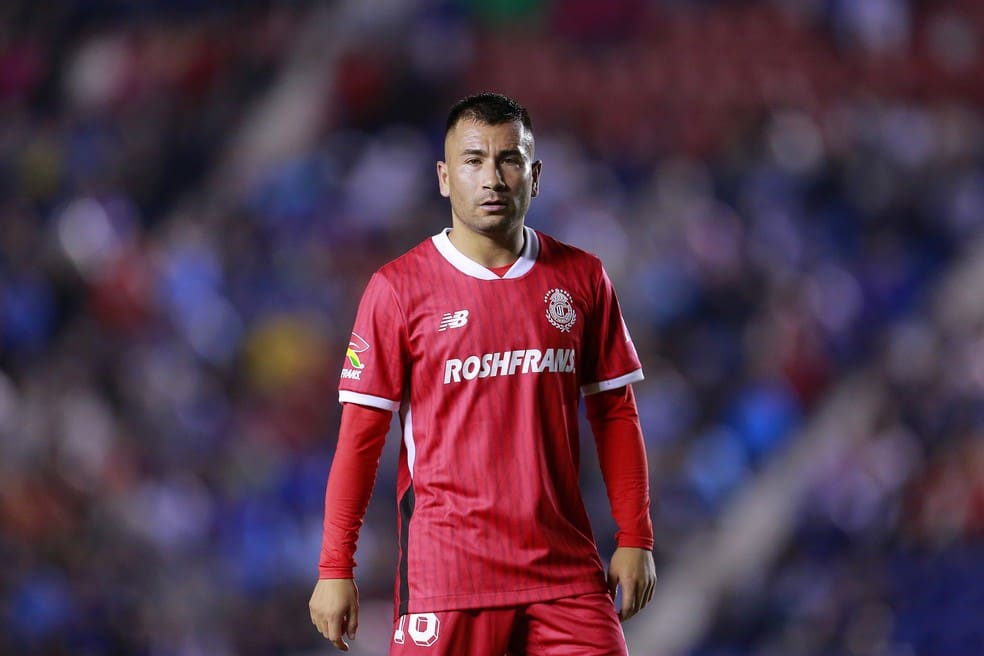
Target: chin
column 496, row 225
column 504, row 220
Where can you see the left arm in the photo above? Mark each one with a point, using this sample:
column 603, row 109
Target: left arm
column 614, row 420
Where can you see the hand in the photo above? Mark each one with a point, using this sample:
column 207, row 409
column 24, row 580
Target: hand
column 334, row 609
column 634, row 570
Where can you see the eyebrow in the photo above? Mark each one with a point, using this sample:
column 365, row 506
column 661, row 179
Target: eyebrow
column 502, row 153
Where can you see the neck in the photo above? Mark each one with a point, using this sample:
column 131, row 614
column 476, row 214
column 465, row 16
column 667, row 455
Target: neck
column 493, row 250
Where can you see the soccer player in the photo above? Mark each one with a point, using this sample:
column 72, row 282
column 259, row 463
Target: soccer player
column 483, row 338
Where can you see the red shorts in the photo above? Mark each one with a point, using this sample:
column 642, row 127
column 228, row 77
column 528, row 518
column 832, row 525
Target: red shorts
column 585, row 625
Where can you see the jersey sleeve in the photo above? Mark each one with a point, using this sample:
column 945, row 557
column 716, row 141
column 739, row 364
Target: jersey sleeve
column 375, row 360
column 615, row 423
column 353, row 473
column 610, row 360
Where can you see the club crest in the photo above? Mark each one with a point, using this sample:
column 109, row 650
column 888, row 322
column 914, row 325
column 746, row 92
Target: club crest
column 560, row 309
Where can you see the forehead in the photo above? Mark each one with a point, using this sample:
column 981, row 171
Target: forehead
column 469, row 134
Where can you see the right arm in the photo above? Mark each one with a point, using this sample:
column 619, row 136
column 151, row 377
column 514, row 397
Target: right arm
column 334, row 604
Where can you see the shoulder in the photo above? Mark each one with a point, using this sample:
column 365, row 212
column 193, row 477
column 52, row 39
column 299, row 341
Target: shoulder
column 410, row 264
column 561, row 253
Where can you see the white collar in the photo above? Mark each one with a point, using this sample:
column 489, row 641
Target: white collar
column 468, row 266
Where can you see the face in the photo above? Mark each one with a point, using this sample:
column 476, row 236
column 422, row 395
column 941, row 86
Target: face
column 489, row 175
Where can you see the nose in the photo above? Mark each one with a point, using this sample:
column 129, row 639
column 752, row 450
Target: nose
column 493, row 177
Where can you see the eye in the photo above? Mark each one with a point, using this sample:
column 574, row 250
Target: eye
column 471, row 161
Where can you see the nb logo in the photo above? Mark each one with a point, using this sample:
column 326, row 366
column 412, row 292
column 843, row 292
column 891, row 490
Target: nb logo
column 453, row 320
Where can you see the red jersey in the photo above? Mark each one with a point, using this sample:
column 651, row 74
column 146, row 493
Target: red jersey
column 487, row 374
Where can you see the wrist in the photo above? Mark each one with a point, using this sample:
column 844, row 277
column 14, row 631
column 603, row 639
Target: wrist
column 336, row 573
column 634, row 542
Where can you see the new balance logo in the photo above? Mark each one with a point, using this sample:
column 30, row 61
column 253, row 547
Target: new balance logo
column 453, row 320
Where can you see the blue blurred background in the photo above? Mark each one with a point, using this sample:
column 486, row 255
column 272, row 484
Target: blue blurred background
column 788, row 195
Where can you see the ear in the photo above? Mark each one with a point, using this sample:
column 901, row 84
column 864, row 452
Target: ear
column 535, row 187
column 442, row 179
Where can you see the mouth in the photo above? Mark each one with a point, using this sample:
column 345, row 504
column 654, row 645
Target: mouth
column 494, row 205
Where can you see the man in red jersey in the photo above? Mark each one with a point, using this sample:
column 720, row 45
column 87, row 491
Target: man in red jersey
column 483, row 338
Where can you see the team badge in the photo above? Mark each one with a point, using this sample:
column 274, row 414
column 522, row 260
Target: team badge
column 560, row 309
column 356, row 345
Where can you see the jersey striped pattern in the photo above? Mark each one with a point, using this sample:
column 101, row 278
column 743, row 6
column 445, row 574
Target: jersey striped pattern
column 487, row 374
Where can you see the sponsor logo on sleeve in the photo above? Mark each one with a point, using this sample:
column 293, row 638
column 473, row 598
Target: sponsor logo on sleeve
column 355, row 365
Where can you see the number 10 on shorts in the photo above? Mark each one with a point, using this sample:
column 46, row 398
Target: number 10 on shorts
column 423, row 629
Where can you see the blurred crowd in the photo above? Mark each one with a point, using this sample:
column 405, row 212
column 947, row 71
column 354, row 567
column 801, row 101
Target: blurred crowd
column 780, row 191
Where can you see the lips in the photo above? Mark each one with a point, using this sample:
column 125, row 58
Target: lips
column 494, row 204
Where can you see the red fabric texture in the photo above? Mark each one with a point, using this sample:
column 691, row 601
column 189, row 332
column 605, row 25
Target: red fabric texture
column 584, row 624
column 614, row 420
column 487, row 374
column 353, row 473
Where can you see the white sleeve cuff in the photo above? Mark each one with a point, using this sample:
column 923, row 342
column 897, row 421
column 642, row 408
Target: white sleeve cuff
column 614, row 383
column 346, row 396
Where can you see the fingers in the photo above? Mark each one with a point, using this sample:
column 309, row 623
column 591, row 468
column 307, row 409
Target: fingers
column 632, row 569
column 331, row 625
column 630, row 600
column 636, row 596
column 650, row 590
column 331, row 628
column 319, row 624
column 353, row 623
column 334, row 610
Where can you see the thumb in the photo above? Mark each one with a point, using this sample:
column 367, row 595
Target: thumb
column 612, row 584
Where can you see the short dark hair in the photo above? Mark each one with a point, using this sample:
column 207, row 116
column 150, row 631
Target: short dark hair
column 488, row 108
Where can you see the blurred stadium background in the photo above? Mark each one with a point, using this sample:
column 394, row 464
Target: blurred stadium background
column 788, row 194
